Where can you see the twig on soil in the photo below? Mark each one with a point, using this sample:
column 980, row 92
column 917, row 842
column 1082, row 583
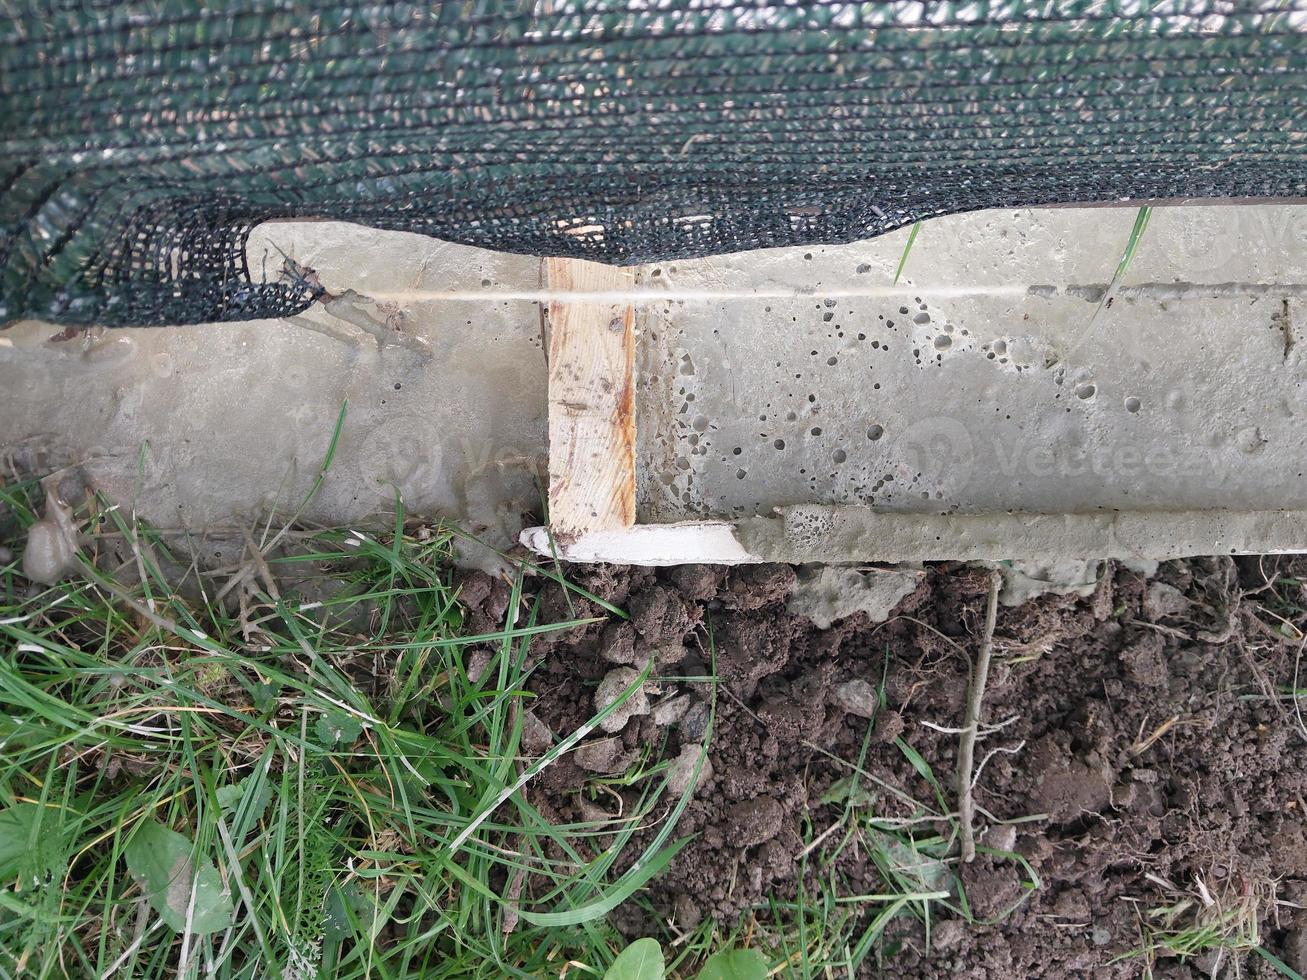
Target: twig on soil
column 1004, row 750
column 971, row 723
column 1297, row 701
column 988, row 729
column 1142, row 744
column 261, row 565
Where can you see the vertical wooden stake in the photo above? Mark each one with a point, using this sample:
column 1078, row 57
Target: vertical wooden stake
column 591, row 399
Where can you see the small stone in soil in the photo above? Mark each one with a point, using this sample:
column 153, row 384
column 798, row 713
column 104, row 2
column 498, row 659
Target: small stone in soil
column 477, row 664
column 753, row 822
column 1070, row 791
column 681, row 770
column 948, row 934
column 1001, row 837
column 603, row 755
column 857, row 698
column 695, row 722
column 536, row 736
column 686, row 913
column 1162, row 600
column 610, row 689
column 671, row 711
column 889, row 726
column 617, row 643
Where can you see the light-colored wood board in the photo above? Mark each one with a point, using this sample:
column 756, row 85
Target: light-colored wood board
column 591, row 400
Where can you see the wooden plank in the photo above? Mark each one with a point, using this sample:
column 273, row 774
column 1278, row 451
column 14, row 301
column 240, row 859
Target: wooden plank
column 653, row 545
column 591, row 400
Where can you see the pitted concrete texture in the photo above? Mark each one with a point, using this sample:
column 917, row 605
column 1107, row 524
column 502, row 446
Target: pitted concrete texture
column 997, row 377
column 991, row 377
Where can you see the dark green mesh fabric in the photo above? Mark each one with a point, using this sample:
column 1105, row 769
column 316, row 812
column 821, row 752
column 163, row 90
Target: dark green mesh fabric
column 142, row 141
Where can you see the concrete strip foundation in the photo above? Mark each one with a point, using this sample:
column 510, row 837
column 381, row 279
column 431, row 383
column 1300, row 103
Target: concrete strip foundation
column 993, row 377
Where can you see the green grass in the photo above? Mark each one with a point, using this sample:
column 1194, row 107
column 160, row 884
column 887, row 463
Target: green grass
column 332, row 763
column 282, row 768
column 1142, row 217
column 907, row 250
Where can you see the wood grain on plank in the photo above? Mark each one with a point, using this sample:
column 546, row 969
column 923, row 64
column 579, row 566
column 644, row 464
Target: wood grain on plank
column 591, row 401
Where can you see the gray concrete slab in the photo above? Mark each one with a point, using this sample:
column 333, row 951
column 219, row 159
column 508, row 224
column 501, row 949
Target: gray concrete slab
column 985, row 354
column 212, row 425
column 991, row 384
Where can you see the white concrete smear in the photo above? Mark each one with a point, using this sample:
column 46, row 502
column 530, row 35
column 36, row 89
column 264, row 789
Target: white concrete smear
column 1026, row 580
column 828, row 592
column 768, row 379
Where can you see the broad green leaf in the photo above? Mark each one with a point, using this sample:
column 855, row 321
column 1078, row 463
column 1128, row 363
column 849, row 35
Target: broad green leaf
column 849, row 790
column 231, row 795
column 344, row 902
column 735, row 964
column 642, row 960
column 336, row 728
column 265, row 696
column 31, row 848
column 163, row 863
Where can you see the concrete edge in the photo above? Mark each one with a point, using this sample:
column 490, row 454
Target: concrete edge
column 816, row 533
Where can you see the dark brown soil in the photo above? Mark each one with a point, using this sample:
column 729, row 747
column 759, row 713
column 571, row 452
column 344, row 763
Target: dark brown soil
column 1142, row 755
